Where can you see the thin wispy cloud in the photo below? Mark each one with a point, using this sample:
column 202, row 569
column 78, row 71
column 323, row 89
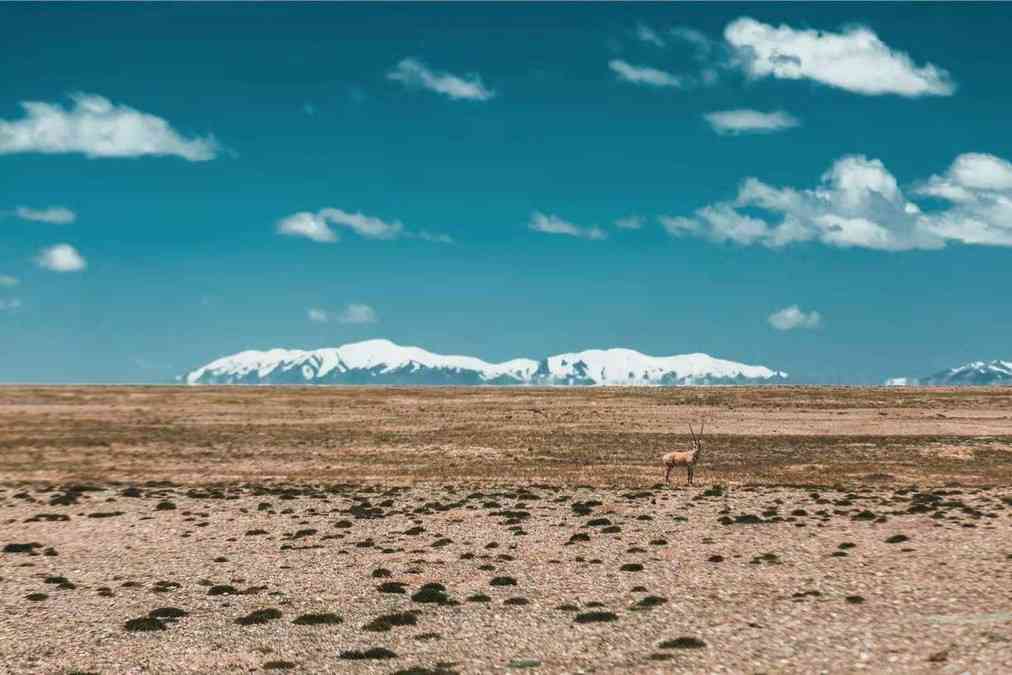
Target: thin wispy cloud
column 790, row 318
column 9, row 305
column 629, row 223
column 414, row 73
column 57, row 215
column 8, row 281
column 61, row 258
column 318, row 315
column 358, row 314
column 645, row 33
column 702, row 44
column 320, row 227
column 644, row 75
column 854, row 59
column 746, row 121
column 96, row 127
column 859, row 203
column 552, row 224
column 354, row 313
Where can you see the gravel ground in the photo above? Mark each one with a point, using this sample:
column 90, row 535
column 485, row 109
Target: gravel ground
column 548, row 579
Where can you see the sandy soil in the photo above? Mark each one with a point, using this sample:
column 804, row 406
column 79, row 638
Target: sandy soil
column 165, row 530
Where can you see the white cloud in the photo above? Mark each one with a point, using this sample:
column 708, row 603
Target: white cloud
column 629, row 223
column 319, row 226
column 414, row 73
column 318, row 315
column 552, row 224
column 9, row 305
column 643, row 74
column 859, row 203
column 354, row 313
column 793, row 317
column 363, row 225
column 745, row 121
column 978, row 191
column 308, row 225
column 61, row 258
column 854, row 59
column 56, row 215
column 647, row 34
column 8, row 281
column 97, row 127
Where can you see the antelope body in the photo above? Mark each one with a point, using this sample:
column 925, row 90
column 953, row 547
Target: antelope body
column 686, row 458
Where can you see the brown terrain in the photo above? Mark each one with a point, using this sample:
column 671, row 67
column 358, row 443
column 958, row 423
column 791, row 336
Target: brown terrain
column 469, row 530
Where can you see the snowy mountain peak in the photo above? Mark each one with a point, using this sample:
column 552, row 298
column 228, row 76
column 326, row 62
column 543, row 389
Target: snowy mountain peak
column 384, row 362
column 973, row 373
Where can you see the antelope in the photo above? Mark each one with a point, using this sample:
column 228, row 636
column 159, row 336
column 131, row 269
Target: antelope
column 686, row 458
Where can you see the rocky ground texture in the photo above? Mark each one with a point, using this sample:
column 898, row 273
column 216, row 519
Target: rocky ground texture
column 444, row 577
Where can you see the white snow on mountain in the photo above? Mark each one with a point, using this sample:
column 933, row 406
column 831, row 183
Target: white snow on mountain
column 626, row 366
column 976, row 372
column 973, row 373
column 383, row 362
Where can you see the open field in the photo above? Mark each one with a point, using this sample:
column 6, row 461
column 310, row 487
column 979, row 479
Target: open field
column 160, row 529
column 788, row 435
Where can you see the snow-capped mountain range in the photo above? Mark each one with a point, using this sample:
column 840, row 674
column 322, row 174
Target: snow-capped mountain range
column 974, row 373
column 383, row 362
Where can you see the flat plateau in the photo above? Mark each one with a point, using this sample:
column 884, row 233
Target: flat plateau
column 253, row 529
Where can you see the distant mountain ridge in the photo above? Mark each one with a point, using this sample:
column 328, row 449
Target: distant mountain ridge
column 384, row 362
column 974, row 373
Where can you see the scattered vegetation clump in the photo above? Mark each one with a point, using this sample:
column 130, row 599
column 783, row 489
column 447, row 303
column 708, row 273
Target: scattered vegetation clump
column 372, row 653
column 381, row 624
column 503, row 581
column 259, row 616
column 595, row 617
column 649, row 602
column 432, row 593
column 321, row 619
column 682, row 643
column 391, row 587
column 144, row 624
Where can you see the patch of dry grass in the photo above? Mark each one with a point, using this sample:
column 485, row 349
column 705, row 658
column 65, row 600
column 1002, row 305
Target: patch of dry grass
column 765, row 435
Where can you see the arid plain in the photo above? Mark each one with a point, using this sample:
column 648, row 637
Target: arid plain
column 471, row 530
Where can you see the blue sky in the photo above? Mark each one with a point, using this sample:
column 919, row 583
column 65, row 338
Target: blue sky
column 823, row 189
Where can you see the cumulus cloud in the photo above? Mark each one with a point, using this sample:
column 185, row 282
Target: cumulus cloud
column 859, row 203
column 744, row 121
column 355, row 313
column 629, row 223
column 643, row 74
column 56, row 215
column 97, row 127
column 977, row 192
column 8, row 281
column 61, row 258
column 793, row 317
column 319, row 226
column 854, row 59
column 552, row 224
column 414, row 73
